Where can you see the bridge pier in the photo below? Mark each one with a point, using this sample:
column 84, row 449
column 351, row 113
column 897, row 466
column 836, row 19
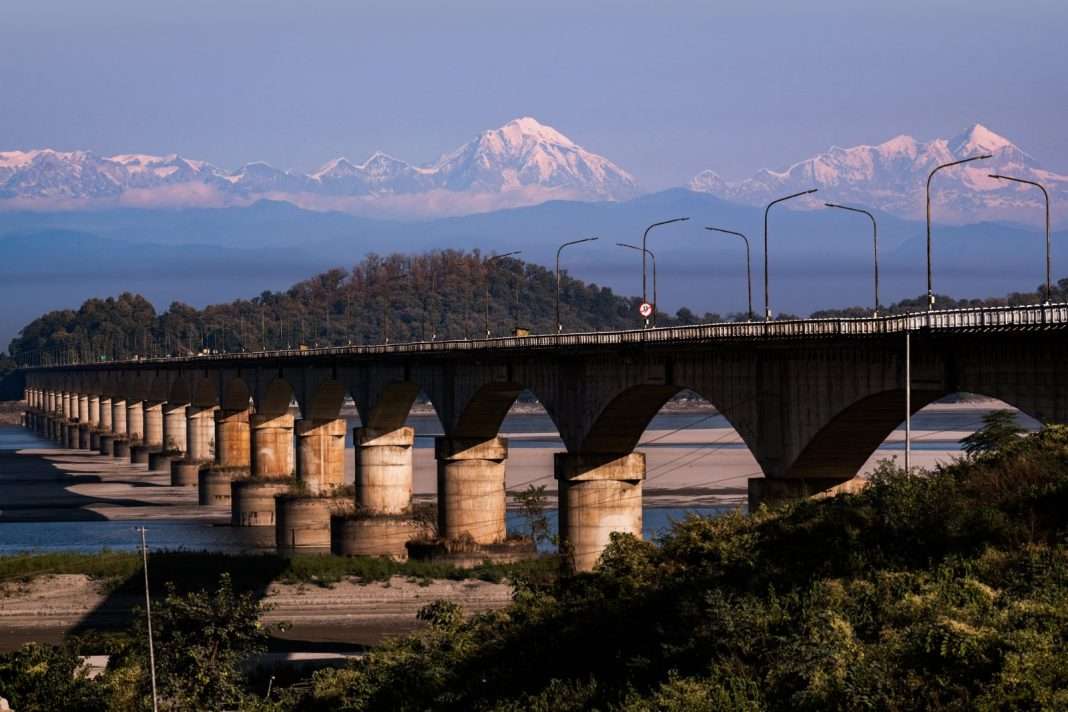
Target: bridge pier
column 471, row 495
column 107, row 432
column 135, row 422
column 175, row 434
column 199, row 446
column 232, row 438
column 774, row 491
column 381, row 525
column 598, row 494
column 321, row 454
column 200, row 433
column 272, row 446
column 252, row 501
column 121, row 443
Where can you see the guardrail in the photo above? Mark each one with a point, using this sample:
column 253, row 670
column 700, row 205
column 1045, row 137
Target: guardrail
column 1030, row 317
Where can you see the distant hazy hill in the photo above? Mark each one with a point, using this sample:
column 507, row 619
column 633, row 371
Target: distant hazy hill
column 818, row 259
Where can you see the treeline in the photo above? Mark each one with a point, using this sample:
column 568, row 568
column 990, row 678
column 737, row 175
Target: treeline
column 1058, row 293
column 433, row 296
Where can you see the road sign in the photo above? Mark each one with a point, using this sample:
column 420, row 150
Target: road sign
column 646, row 309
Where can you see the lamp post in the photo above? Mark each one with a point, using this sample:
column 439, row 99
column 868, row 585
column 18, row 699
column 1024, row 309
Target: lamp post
column 767, row 305
column 930, row 288
column 1049, row 285
column 485, row 279
column 652, row 257
column 645, row 235
column 748, row 266
column 559, row 325
column 875, row 244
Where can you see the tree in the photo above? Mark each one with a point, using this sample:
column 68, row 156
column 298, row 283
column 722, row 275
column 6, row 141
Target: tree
column 201, row 639
column 531, row 503
column 36, row 677
column 1000, row 430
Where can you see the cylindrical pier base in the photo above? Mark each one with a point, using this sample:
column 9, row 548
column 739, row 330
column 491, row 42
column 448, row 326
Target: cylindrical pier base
column 598, row 494
column 213, row 487
column 302, row 524
column 471, row 496
column 185, row 473
column 159, row 461
column 94, row 440
column 139, row 454
column 73, row 438
column 84, row 436
column 777, row 491
column 252, row 502
column 107, row 443
column 120, row 449
column 375, row 536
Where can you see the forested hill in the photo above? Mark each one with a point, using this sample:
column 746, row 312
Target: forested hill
column 437, row 295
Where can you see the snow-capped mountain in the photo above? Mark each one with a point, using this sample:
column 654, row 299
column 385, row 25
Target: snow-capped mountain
column 522, row 162
column 892, row 177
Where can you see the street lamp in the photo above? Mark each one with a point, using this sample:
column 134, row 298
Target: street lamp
column 1049, row 286
column 652, row 257
column 644, row 236
column 930, row 288
column 485, row 279
column 875, row 242
column 767, row 305
column 559, row 326
column 748, row 268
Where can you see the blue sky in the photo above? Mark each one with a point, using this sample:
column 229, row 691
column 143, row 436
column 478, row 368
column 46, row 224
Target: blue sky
column 663, row 88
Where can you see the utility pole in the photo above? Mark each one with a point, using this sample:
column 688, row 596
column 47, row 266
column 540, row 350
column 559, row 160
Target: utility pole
column 908, row 402
column 148, row 616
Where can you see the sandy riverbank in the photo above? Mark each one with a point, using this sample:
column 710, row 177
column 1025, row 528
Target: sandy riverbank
column 46, row 608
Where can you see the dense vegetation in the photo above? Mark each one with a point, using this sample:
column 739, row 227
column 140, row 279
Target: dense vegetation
column 437, row 295
column 939, row 591
column 1058, row 294
column 944, row 590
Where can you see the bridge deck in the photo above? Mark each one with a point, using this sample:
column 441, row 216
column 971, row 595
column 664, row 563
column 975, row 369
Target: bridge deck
column 1015, row 318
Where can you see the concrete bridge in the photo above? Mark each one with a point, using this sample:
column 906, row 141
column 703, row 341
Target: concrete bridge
column 812, row 400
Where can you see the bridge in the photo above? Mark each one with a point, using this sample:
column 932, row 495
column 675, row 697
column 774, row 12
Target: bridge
column 812, row 399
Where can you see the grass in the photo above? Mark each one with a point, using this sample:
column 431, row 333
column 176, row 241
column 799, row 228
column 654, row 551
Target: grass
column 200, row 570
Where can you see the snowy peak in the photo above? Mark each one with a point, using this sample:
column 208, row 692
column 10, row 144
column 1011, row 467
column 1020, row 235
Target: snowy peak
column 978, row 140
column 525, row 154
column 520, row 163
column 892, row 175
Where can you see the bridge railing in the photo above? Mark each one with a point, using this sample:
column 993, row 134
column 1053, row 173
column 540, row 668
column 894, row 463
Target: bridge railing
column 1037, row 316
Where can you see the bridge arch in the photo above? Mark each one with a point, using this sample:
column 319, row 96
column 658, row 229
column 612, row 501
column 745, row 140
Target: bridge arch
column 276, row 398
column 847, row 441
column 483, row 415
column 235, row 395
column 324, row 401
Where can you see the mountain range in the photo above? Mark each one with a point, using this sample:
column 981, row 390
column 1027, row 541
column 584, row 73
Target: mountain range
column 892, row 177
column 521, row 163
column 525, row 162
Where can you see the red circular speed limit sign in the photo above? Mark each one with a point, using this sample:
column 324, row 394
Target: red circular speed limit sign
column 646, row 309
